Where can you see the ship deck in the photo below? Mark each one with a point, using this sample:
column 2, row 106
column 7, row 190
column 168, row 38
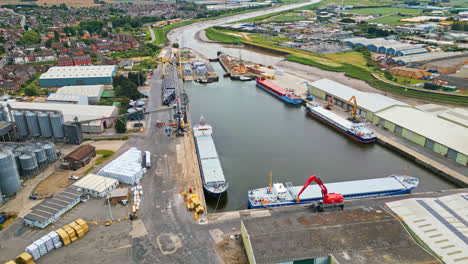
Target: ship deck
column 209, row 160
column 347, row 189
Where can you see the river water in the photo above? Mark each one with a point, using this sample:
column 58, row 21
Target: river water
column 256, row 133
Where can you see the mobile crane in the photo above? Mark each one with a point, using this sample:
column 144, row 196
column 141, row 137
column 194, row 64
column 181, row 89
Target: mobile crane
column 354, row 117
column 329, row 103
column 310, row 97
column 329, row 202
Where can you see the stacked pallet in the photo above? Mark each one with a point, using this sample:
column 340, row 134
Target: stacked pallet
column 194, row 204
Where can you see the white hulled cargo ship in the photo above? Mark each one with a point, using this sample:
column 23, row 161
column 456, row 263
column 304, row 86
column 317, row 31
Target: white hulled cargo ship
column 211, row 171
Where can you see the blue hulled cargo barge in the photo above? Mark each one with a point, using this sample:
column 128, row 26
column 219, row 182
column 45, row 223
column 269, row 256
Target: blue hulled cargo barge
column 357, row 131
column 286, row 194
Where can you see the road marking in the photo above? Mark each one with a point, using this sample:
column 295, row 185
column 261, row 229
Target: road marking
column 168, row 243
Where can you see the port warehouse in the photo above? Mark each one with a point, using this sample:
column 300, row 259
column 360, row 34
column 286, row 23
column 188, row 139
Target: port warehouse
column 70, row 111
column 50, row 210
column 442, row 134
column 67, row 99
column 78, row 75
column 386, row 46
column 352, row 236
column 440, row 222
column 95, row 185
column 92, row 92
column 419, row 59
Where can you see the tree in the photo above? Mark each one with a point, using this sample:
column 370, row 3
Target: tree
column 49, row 42
column 30, row 37
column 2, row 49
column 56, row 35
column 137, row 78
column 120, row 125
column 30, row 91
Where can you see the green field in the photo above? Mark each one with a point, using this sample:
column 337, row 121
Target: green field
column 218, row 35
column 390, row 20
column 280, row 19
column 383, row 11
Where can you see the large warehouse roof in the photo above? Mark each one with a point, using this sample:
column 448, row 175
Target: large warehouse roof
column 370, row 101
column 440, row 222
column 69, row 111
column 79, row 72
column 426, row 57
column 79, row 99
column 456, row 115
column 88, row 90
column 350, row 236
column 95, row 182
column 439, row 130
column 48, row 207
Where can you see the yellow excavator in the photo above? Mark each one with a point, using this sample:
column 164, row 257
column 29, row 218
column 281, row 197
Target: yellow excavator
column 353, row 111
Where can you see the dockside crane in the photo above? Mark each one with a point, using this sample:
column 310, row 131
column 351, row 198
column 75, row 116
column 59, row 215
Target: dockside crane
column 329, row 103
column 329, row 202
column 309, row 96
column 353, row 111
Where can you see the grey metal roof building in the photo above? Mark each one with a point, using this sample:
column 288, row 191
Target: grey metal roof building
column 417, row 59
column 93, row 92
column 50, row 210
column 440, row 222
column 367, row 103
column 440, row 135
column 352, row 236
column 95, row 185
column 67, row 99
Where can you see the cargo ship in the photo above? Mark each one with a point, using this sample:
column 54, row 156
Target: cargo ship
column 211, row 171
column 285, row 194
column 357, row 131
column 286, row 95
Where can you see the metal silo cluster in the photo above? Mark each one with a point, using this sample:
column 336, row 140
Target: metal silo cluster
column 38, row 124
column 30, row 158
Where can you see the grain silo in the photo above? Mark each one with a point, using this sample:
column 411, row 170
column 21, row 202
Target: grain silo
column 9, row 178
column 21, row 125
column 41, row 157
column 33, row 124
column 44, row 125
column 56, row 121
column 50, row 152
column 29, row 166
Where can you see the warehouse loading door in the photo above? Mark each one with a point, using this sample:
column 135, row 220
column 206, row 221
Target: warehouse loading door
column 363, row 113
column 398, row 130
column 429, row 144
column 452, row 154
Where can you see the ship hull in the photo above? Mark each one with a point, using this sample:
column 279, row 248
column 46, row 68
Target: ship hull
column 282, row 97
column 346, row 197
column 209, row 191
column 348, row 133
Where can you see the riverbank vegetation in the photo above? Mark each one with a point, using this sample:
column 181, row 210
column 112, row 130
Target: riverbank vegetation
column 356, row 64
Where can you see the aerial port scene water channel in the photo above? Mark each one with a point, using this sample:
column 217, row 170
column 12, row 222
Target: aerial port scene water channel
column 278, row 132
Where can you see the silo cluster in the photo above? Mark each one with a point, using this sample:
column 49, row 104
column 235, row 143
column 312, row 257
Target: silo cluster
column 30, row 158
column 38, row 124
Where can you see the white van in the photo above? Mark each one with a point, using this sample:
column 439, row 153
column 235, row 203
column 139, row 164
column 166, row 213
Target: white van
column 148, row 159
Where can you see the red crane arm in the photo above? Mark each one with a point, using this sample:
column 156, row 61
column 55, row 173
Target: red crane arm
column 320, row 184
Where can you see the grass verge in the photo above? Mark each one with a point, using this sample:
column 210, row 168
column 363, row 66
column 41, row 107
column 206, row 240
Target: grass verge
column 106, row 154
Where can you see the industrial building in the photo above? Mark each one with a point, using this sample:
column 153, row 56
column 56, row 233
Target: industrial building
column 349, row 236
column 67, row 99
column 93, row 92
column 439, row 222
column 118, row 195
column 78, row 75
column 50, row 210
column 64, row 113
column 95, row 185
column 386, row 46
column 367, row 103
column 440, row 135
column 80, row 157
column 419, row 59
